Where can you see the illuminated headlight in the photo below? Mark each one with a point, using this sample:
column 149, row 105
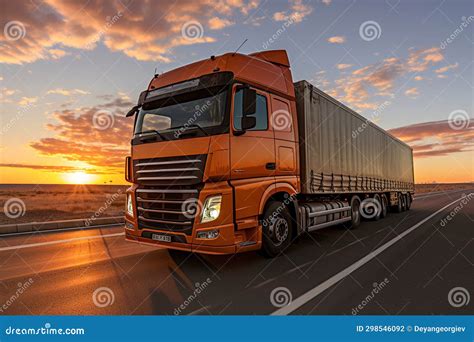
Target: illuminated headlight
column 208, row 234
column 129, row 205
column 212, row 209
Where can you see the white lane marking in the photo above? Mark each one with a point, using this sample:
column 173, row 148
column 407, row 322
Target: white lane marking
column 306, row 297
column 47, row 243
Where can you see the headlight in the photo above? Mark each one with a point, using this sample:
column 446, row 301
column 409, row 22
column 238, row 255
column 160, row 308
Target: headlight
column 129, row 205
column 212, row 209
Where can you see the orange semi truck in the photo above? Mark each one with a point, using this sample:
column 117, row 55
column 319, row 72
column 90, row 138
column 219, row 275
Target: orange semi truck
column 229, row 155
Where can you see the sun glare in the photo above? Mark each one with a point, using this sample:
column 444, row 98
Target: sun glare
column 78, row 177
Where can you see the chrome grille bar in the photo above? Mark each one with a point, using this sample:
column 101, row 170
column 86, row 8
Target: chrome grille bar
column 166, row 178
column 181, row 223
column 139, row 199
column 168, row 191
column 171, row 162
column 170, row 170
column 162, row 211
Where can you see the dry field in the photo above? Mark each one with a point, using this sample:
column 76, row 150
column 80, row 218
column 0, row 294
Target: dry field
column 424, row 188
column 39, row 203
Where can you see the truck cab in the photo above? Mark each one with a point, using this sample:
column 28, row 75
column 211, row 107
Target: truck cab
column 215, row 143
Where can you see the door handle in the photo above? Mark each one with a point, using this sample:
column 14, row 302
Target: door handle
column 270, row 166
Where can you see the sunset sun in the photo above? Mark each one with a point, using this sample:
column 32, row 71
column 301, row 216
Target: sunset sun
column 79, row 177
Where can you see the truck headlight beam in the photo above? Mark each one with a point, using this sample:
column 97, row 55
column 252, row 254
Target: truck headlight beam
column 211, row 209
column 129, row 205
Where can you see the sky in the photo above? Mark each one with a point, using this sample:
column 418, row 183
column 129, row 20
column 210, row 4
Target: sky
column 71, row 69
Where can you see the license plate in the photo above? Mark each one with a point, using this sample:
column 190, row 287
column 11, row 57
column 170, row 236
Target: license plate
column 162, row 238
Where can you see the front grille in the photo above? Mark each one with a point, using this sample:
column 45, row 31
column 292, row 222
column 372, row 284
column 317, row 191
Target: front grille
column 164, row 184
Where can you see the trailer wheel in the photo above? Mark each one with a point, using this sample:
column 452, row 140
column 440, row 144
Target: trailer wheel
column 384, row 203
column 404, row 202
column 355, row 213
column 276, row 229
column 378, row 207
column 399, row 207
column 408, row 201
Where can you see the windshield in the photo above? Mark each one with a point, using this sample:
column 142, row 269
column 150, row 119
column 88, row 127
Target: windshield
column 200, row 109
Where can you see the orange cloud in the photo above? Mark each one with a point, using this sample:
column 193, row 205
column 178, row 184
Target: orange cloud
column 98, row 136
column 437, row 138
column 297, row 12
column 412, row 92
column 142, row 30
column 337, row 39
column 343, row 66
column 446, row 68
column 355, row 89
column 217, row 23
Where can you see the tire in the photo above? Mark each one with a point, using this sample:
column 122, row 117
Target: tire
column 384, row 206
column 408, row 201
column 399, row 207
column 378, row 207
column 276, row 229
column 355, row 214
column 404, row 202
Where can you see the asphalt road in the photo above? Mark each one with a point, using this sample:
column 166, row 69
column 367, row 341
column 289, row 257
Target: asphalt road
column 404, row 264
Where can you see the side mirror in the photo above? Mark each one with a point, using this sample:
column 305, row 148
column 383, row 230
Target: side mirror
column 248, row 122
column 249, row 102
column 132, row 111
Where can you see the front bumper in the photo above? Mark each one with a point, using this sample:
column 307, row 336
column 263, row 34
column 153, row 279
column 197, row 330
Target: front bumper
column 228, row 241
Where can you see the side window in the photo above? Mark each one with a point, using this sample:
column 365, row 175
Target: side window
column 261, row 114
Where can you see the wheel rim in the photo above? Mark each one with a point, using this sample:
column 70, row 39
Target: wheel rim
column 278, row 230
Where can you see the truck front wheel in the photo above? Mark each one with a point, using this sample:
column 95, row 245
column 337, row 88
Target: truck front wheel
column 276, row 229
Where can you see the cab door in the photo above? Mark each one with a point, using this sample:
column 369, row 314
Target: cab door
column 252, row 156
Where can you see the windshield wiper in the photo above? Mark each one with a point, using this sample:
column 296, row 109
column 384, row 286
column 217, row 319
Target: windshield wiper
column 149, row 134
column 192, row 125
